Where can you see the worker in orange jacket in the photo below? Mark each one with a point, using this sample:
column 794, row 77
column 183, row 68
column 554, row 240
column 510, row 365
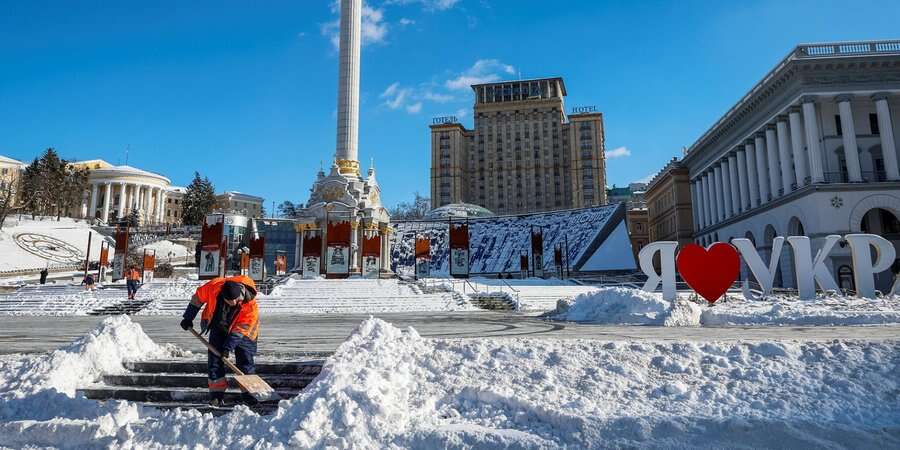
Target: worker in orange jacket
column 133, row 281
column 231, row 317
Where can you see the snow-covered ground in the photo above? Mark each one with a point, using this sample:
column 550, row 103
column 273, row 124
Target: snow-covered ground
column 390, row 388
column 69, row 231
column 616, row 305
column 167, row 249
column 533, row 294
column 323, row 296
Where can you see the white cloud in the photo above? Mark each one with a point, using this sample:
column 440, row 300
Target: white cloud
column 618, row 152
column 483, row 71
column 415, row 108
column 428, row 5
column 374, row 30
column 406, row 22
column 395, row 96
column 438, row 97
column 646, row 179
column 461, row 112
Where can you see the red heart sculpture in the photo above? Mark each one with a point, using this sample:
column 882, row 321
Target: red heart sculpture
column 711, row 271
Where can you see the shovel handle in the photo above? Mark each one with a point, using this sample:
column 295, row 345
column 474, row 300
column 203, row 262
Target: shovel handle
column 216, row 352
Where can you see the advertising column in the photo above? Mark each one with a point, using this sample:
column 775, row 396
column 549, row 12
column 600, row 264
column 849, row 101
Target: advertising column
column 212, row 247
column 121, row 252
column 256, row 261
column 104, row 261
column 371, row 252
column 459, row 249
column 537, row 251
column 337, row 249
column 312, row 253
column 149, row 266
column 280, row 263
column 423, row 256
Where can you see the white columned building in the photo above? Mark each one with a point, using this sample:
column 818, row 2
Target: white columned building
column 821, row 130
column 114, row 191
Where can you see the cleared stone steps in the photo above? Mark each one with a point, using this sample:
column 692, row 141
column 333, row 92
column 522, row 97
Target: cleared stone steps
column 196, row 380
column 307, row 367
column 170, row 384
column 169, row 394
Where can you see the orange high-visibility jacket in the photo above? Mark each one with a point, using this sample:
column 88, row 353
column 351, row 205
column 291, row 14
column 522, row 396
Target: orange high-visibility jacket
column 246, row 321
column 132, row 274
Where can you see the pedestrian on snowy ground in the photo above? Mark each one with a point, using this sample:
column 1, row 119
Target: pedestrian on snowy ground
column 231, row 317
column 88, row 282
column 132, row 280
column 44, row 274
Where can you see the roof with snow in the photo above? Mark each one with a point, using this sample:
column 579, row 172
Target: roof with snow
column 458, row 210
column 4, row 159
column 594, row 239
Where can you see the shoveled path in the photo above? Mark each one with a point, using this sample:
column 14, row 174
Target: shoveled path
column 298, row 334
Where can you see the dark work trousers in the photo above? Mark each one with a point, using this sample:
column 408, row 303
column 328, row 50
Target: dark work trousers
column 243, row 355
column 132, row 287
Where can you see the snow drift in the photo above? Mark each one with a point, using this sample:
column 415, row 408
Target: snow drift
column 627, row 306
column 391, row 388
column 617, row 305
column 38, row 403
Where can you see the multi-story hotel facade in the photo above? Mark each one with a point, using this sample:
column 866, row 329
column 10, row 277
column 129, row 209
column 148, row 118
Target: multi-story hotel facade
column 810, row 150
column 524, row 154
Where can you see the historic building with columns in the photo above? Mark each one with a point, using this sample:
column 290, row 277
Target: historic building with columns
column 809, row 150
column 524, row 155
column 115, row 191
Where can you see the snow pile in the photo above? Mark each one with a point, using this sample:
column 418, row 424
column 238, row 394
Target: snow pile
column 391, row 388
column 167, row 249
column 617, row 305
column 38, row 403
column 824, row 310
column 387, row 388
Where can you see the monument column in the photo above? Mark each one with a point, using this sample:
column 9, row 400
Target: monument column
column 346, row 156
column 121, row 214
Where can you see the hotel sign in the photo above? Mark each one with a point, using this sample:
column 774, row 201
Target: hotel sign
column 444, row 119
column 584, row 109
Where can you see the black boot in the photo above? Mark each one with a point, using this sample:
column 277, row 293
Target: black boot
column 217, row 399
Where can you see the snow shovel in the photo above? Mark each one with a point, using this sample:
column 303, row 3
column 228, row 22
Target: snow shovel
column 251, row 384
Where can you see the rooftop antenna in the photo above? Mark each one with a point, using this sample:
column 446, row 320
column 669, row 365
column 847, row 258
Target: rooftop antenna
column 127, row 148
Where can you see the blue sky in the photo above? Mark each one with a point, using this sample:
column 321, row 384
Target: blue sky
column 245, row 93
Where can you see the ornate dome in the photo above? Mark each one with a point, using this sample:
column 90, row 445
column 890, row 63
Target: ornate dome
column 458, row 210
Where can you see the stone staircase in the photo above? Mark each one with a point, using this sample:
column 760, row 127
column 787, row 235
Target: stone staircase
column 495, row 301
column 348, row 296
column 173, row 384
column 58, row 299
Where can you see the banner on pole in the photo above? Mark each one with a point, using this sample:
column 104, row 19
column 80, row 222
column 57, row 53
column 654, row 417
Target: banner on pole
column 121, row 252
column 212, row 247
column 371, row 253
column 149, row 265
column 537, row 251
column 423, row 256
column 459, row 250
column 256, row 257
column 337, row 249
column 312, row 254
column 280, row 264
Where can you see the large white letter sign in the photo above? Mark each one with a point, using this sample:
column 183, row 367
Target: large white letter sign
column 666, row 250
column 863, row 269
column 765, row 276
column 811, row 271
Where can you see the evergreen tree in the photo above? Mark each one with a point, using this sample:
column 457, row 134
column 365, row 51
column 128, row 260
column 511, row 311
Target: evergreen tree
column 288, row 209
column 51, row 185
column 199, row 200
